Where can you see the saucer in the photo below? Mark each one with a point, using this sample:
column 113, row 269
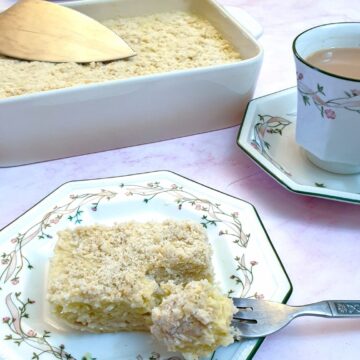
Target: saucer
column 267, row 135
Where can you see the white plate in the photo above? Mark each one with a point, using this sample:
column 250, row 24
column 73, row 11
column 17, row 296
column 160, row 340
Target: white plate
column 267, row 135
column 245, row 262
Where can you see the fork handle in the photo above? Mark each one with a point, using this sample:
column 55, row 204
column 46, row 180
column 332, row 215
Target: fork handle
column 331, row 308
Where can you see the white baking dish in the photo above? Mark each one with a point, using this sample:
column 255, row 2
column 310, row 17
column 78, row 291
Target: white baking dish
column 113, row 114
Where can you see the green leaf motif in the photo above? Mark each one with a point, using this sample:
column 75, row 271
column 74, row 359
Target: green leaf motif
column 261, row 117
column 154, row 356
column 320, row 185
column 320, row 89
column 230, row 292
column 268, row 146
column 88, row 356
column 306, row 100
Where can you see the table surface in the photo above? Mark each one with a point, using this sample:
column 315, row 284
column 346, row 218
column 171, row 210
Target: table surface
column 317, row 240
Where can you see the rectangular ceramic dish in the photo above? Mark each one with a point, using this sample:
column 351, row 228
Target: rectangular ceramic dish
column 113, row 114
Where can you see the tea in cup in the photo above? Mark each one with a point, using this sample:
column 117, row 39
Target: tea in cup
column 328, row 82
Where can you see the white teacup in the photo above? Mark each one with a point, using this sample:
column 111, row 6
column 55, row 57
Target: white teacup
column 328, row 113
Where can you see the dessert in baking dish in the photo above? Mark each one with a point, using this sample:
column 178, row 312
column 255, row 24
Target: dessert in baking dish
column 107, row 279
column 193, row 319
column 163, row 42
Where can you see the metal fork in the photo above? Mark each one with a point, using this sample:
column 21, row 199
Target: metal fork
column 258, row 318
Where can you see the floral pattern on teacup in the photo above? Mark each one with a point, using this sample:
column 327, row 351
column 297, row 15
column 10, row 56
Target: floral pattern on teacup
column 350, row 101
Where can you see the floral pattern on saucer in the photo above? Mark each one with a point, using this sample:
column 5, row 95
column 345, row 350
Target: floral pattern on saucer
column 277, row 152
column 273, row 125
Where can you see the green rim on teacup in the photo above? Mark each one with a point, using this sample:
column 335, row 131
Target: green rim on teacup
column 300, row 58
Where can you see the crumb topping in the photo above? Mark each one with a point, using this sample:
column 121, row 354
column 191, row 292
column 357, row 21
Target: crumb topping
column 193, row 319
column 163, row 42
column 109, row 263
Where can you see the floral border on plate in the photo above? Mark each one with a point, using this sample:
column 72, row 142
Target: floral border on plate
column 15, row 262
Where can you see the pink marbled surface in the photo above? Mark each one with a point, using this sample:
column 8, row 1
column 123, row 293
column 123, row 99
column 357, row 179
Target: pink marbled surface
column 317, row 240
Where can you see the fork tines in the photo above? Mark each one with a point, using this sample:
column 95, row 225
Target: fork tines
column 245, row 307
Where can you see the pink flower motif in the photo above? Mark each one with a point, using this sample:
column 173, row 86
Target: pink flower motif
column 173, row 186
column 14, row 240
column 318, row 100
column 54, row 221
column 221, row 233
column 197, row 207
column 235, row 214
column 31, row 333
column 253, row 263
column 72, row 196
column 15, row 281
column 300, row 76
column 259, row 296
column 255, row 145
column 330, row 114
column 128, row 193
column 94, row 208
column 5, row 319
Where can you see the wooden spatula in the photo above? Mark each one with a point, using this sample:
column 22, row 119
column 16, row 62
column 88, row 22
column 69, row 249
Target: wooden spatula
column 43, row 31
